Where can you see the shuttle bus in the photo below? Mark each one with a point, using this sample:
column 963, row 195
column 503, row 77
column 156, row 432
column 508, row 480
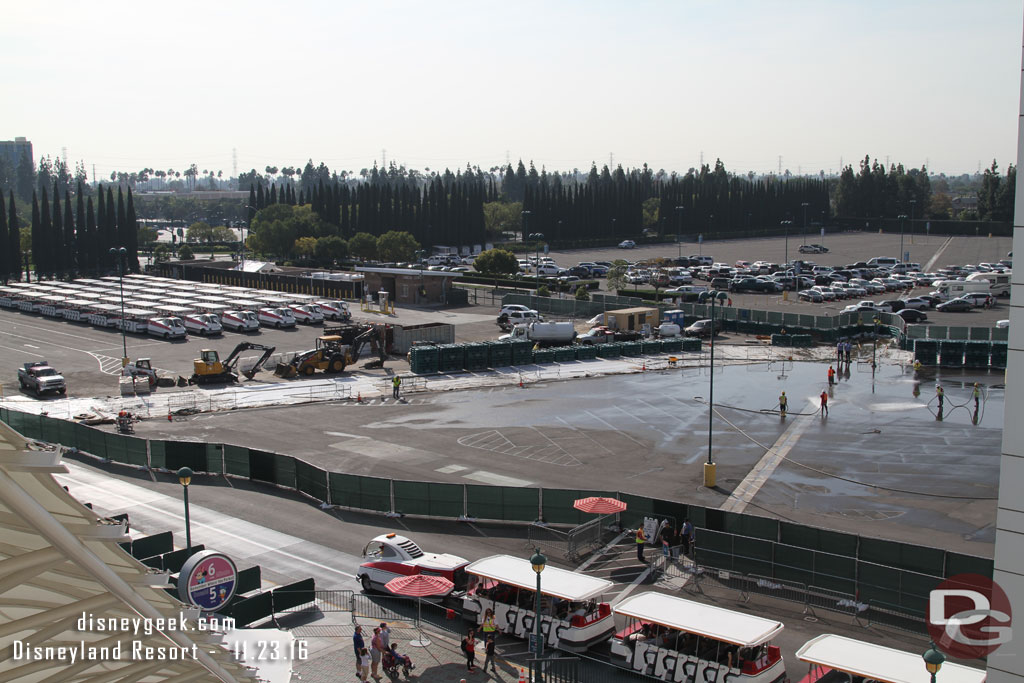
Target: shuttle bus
column 572, row 619
column 837, row 659
column 103, row 315
column 52, row 306
column 75, row 310
column 675, row 639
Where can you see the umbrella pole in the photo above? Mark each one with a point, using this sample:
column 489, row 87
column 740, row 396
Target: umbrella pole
column 422, row 642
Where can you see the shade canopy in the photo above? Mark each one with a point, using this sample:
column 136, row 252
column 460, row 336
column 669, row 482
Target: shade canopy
column 600, row 506
column 419, row 585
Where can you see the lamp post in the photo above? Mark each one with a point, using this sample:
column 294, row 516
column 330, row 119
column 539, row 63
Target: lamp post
column 709, row 466
column 786, row 224
column 913, row 205
column 537, row 237
column 526, row 214
column 902, row 217
column 538, row 561
column 185, row 478
column 805, row 205
column 933, row 660
column 120, row 252
column 419, row 260
column 248, row 226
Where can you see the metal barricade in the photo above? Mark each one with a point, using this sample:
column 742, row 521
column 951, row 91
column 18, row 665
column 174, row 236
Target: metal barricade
column 583, row 537
column 893, row 616
column 833, row 601
column 792, row 591
column 384, row 608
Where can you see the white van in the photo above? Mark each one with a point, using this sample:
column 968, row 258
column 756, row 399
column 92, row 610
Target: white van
column 883, row 262
column 307, row 313
column 951, row 289
column 547, row 269
column 334, row 310
column 167, row 328
column 240, row 321
column 203, row 323
column 276, row 317
column 999, row 283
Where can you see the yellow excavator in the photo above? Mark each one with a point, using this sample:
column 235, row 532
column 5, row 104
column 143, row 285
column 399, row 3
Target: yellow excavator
column 209, row 368
column 333, row 353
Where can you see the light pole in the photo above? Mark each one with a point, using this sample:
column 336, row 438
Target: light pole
column 805, row 205
column 538, row 561
column 526, row 214
column 185, row 478
column 913, row 205
column 933, row 660
column 709, row 466
column 786, row 224
column 679, row 229
column 902, row 217
column 419, row 260
column 248, row 225
column 538, row 237
column 120, row 252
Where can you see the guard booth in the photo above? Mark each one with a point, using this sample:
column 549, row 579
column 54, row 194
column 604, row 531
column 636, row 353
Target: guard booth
column 410, row 285
column 631, row 318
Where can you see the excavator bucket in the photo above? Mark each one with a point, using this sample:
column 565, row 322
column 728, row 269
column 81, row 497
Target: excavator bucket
column 285, row 370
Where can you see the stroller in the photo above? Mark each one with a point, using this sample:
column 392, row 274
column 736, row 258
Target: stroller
column 392, row 661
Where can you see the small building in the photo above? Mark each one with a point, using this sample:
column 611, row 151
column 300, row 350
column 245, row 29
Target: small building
column 631, row 318
column 410, row 286
column 251, row 266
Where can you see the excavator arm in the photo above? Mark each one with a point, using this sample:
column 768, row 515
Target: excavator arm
column 229, row 362
column 268, row 351
column 372, row 337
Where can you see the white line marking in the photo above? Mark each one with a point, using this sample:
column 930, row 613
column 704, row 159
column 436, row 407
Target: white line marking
column 497, row 479
column 31, row 346
column 602, row 551
column 928, row 266
column 616, row 429
column 351, row 436
column 8, row 348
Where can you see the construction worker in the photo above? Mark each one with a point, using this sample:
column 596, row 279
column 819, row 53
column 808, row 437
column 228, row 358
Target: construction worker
column 840, row 346
column 940, row 393
column 831, row 376
column 396, row 383
column 783, row 403
column 640, row 540
column 977, row 396
column 824, row 404
column 917, row 366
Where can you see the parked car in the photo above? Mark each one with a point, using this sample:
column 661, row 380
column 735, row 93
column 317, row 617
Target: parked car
column 955, row 306
column 896, row 305
column 509, row 308
column 811, row 295
column 979, row 299
column 813, row 249
column 912, row 315
column 627, row 244
column 749, row 284
column 1003, row 324
column 825, row 293
column 702, row 328
column 918, row 303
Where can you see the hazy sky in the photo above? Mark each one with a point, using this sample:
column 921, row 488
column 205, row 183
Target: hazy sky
column 125, row 85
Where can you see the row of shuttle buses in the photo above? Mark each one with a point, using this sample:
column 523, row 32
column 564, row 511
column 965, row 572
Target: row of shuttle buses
column 659, row 635
column 169, row 309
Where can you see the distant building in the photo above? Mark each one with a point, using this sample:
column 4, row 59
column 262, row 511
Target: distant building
column 13, row 151
column 964, row 204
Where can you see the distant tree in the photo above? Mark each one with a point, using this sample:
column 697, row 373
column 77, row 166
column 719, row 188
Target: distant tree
column 651, row 209
column 273, row 231
column 396, row 245
column 543, row 291
column 582, row 294
column 331, row 248
column 5, row 255
column 363, row 245
column 223, row 233
column 496, row 262
column 199, row 231
column 501, row 216
column 185, row 253
column 162, row 253
column 305, row 247
column 941, row 207
column 13, row 248
column 616, row 278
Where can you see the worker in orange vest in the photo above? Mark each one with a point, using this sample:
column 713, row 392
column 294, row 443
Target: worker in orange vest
column 831, row 376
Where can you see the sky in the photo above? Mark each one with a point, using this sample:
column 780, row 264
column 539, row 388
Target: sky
column 129, row 85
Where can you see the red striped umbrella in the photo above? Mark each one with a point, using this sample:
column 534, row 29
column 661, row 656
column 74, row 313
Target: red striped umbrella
column 419, row 585
column 600, row 506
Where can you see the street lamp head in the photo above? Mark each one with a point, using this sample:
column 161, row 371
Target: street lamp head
column 902, row 216
column 538, row 561
column 185, row 476
column 933, row 659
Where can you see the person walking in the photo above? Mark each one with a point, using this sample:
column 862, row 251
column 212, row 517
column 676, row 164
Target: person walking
column 831, row 376
column 940, row 393
column 686, row 536
column 489, row 659
column 376, row 650
column 824, row 404
column 783, row 404
column 668, row 539
column 359, row 646
column 469, row 649
column 977, row 396
column 849, row 349
column 839, row 352
column 396, row 383
column 640, row 540
column 363, row 664
column 385, row 636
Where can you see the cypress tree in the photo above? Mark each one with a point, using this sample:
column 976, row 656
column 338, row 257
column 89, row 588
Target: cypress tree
column 133, row 236
column 110, row 231
column 14, row 234
column 69, row 234
column 83, row 237
column 122, row 222
column 36, row 239
column 273, row 193
column 42, row 251
column 260, row 203
column 94, row 237
column 56, row 236
column 251, row 208
column 5, row 266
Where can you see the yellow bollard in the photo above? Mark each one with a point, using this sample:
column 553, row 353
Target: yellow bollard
column 785, row 295
column 709, row 474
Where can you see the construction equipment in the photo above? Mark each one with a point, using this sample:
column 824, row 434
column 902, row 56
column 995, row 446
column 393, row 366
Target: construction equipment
column 142, row 367
column 335, row 352
column 210, row 369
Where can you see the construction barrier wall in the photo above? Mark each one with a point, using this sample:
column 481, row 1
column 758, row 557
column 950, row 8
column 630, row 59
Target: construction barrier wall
column 889, row 572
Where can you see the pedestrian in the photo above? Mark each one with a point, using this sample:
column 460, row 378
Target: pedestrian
column 917, row 366
column 376, row 650
column 488, row 625
column 363, row 664
column 640, row 540
column 668, row 536
column 358, row 646
column 824, row 404
column 849, row 349
column 489, row 659
column 977, row 396
column 940, row 393
column 385, row 636
column 469, row 649
column 686, row 537
column 831, row 376
column 839, row 352
column 396, row 382
column 783, row 404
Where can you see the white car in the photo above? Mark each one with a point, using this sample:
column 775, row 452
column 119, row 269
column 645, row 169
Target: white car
column 627, row 244
column 826, row 293
column 1003, row 324
column 276, row 317
column 239, row 321
column 167, row 328
column 334, row 310
column 918, row 303
column 516, row 308
column 203, row 324
column 307, row 313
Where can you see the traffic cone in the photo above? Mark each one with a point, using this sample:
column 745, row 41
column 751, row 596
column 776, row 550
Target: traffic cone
column 644, row 368
column 170, row 418
column 359, row 397
column 522, row 675
column 520, row 381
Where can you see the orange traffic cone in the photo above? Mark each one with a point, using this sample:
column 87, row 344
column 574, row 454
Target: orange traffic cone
column 522, row 676
column 644, row 368
column 520, row 381
column 359, row 397
column 170, row 418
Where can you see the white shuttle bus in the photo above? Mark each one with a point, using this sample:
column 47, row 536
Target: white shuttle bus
column 104, row 315
column 839, row 659
column 572, row 618
column 136, row 320
column 675, row 639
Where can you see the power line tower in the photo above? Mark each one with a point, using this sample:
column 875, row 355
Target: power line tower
column 234, row 161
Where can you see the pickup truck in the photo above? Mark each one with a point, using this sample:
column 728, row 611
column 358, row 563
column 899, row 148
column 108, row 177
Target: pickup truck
column 602, row 335
column 41, row 378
